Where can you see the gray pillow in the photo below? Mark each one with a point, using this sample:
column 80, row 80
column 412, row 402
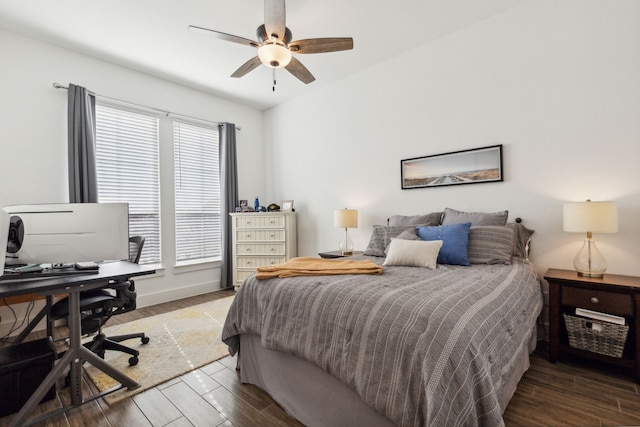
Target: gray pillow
column 490, row 244
column 521, row 239
column 432, row 218
column 452, row 216
column 410, row 234
column 381, row 237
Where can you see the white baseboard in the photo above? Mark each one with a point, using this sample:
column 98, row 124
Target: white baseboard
column 177, row 293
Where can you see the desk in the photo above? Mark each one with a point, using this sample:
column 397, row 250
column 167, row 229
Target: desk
column 74, row 357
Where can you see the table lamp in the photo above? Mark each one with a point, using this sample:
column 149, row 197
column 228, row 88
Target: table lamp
column 590, row 217
column 346, row 218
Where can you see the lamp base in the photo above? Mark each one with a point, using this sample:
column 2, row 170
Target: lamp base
column 346, row 245
column 587, row 274
column 589, row 262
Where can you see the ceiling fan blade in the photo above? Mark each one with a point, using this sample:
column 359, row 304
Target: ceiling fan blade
column 250, row 65
column 296, row 68
column 274, row 18
column 224, row 36
column 261, row 33
column 321, row 45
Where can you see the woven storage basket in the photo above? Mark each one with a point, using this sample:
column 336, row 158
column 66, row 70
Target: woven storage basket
column 609, row 341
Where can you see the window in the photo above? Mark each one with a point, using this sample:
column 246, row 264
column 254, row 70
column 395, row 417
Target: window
column 127, row 166
column 197, row 192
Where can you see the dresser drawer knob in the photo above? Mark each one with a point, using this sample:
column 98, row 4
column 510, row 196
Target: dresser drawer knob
column 594, row 300
column 248, row 249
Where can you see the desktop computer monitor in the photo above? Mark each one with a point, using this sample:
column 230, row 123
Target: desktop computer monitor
column 71, row 232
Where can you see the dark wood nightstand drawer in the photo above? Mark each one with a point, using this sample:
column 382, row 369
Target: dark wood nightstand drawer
column 614, row 303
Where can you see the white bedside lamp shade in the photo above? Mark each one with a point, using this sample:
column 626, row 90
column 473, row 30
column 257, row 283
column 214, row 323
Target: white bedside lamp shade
column 590, row 217
column 346, row 218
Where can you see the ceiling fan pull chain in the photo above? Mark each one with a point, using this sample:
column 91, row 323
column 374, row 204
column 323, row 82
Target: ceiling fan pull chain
column 273, row 88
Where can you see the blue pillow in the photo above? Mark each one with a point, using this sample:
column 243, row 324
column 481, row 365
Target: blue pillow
column 455, row 241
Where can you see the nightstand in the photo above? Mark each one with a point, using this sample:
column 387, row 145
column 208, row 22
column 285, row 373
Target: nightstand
column 613, row 294
column 337, row 254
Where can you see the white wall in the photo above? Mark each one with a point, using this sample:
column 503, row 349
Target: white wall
column 556, row 82
column 33, row 141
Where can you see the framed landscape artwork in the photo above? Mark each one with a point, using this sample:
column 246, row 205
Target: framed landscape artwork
column 459, row 167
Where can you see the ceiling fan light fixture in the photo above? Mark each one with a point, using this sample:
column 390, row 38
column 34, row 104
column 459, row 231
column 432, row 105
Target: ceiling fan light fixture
column 275, row 45
column 274, row 55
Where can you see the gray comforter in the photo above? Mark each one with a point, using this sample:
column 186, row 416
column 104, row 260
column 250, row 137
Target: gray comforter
column 422, row 347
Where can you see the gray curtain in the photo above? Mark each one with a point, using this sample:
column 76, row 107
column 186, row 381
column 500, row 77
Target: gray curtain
column 81, row 129
column 229, row 192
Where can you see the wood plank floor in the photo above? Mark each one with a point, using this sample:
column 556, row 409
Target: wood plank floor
column 561, row 394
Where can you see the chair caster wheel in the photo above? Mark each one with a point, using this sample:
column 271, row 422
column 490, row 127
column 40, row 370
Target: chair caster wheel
column 133, row 360
column 145, row 340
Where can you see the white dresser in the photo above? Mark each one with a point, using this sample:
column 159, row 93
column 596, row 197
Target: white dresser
column 261, row 239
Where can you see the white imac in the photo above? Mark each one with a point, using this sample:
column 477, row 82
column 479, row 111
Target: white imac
column 72, row 232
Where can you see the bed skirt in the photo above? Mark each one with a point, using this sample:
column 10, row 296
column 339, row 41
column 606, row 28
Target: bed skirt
column 317, row 399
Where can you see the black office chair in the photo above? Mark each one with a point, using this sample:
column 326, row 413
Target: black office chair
column 97, row 306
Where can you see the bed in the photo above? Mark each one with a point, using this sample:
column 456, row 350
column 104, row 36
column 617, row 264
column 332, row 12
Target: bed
column 413, row 346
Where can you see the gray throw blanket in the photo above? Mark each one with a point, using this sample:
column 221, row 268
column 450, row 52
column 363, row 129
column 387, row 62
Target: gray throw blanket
column 422, row 347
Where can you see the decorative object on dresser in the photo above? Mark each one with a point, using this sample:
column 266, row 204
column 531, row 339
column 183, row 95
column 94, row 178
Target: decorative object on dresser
column 345, row 218
column 585, row 316
column 590, row 217
column 244, row 207
column 287, row 206
column 261, row 239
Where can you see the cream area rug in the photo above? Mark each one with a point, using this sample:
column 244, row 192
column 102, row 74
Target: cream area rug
column 180, row 341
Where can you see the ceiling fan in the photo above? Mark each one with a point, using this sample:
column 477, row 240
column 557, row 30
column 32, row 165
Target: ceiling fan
column 275, row 48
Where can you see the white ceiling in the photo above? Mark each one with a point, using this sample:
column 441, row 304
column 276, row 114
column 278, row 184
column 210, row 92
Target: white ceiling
column 151, row 36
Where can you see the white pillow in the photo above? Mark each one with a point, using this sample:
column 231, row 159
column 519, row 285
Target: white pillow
column 413, row 253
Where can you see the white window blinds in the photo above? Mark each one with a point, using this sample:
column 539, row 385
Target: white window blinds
column 197, row 192
column 128, row 171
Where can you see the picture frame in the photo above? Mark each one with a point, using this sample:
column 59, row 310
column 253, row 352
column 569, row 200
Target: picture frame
column 287, row 206
column 244, row 206
column 472, row 166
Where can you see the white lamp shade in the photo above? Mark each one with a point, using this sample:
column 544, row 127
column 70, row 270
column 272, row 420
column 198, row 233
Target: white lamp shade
column 274, row 55
column 595, row 217
column 345, row 218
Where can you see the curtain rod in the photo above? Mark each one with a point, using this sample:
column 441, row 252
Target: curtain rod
column 167, row 113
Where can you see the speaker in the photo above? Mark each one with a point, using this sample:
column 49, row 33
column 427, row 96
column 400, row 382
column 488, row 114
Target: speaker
column 16, row 234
